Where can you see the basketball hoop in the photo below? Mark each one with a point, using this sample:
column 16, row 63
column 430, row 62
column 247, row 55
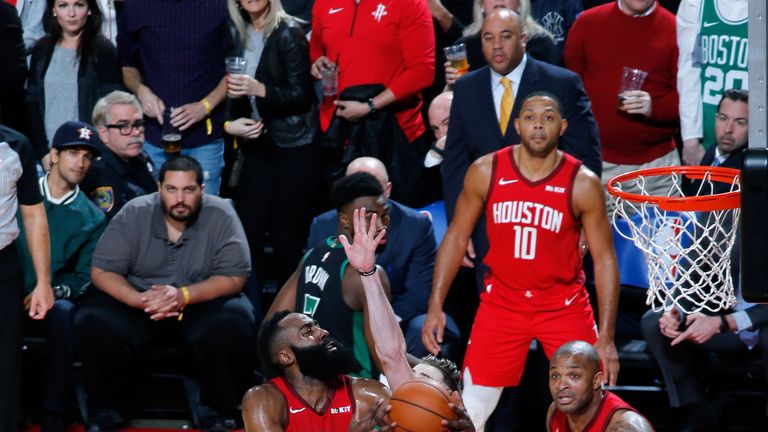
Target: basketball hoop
column 686, row 240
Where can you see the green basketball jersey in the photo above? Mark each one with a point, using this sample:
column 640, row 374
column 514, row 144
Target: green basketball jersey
column 723, row 56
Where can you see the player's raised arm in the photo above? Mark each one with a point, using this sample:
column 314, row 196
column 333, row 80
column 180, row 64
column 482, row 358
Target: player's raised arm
column 388, row 337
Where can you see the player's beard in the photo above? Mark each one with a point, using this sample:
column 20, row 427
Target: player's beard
column 318, row 362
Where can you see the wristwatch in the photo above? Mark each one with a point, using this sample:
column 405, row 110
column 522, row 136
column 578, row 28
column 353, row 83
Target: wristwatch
column 371, row 106
column 724, row 327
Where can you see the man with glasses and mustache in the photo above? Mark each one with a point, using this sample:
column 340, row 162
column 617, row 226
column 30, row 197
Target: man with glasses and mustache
column 124, row 171
column 170, row 266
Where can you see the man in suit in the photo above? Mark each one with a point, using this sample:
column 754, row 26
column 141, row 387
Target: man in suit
column 408, row 258
column 482, row 109
column 677, row 341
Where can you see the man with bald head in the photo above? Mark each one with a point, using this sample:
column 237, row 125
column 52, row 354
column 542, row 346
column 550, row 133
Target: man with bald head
column 408, row 258
column 486, row 100
column 439, row 115
column 579, row 402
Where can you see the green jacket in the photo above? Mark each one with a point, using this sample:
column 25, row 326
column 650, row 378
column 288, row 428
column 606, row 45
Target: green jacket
column 75, row 225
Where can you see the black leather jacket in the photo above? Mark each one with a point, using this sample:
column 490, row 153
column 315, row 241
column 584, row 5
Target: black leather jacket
column 289, row 107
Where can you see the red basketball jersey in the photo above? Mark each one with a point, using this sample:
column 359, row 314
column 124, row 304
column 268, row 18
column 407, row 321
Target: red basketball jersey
column 532, row 231
column 609, row 404
column 335, row 417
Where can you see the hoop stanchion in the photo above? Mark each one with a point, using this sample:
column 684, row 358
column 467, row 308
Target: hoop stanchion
column 687, row 239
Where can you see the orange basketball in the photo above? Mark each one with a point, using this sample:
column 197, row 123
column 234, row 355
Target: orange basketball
column 420, row 406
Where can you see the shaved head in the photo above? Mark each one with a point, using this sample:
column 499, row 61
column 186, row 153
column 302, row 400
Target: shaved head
column 579, row 349
column 439, row 112
column 373, row 167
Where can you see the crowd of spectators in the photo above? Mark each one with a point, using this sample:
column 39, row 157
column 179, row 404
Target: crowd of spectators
column 138, row 237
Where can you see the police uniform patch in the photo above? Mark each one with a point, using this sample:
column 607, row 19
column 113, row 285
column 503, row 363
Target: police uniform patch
column 104, row 198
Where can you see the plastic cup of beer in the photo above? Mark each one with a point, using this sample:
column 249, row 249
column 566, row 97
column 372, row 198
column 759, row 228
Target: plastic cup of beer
column 171, row 134
column 236, row 65
column 631, row 80
column 330, row 80
column 457, row 55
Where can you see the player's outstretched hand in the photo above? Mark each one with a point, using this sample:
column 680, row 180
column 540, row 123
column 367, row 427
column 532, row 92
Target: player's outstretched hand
column 609, row 357
column 362, row 253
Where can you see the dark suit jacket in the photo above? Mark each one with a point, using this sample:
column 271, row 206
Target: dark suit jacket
column 734, row 160
column 474, row 130
column 408, row 257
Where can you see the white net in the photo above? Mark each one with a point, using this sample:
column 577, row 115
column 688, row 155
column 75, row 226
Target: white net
column 688, row 253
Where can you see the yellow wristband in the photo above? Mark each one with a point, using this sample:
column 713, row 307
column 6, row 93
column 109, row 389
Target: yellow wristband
column 207, row 105
column 185, row 293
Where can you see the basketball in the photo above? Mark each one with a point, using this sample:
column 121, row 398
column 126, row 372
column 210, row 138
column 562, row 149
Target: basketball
column 421, row 406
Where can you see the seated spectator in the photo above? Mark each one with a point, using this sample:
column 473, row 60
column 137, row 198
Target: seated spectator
column 539, row 43
column 408, row 258
column 679, row 341
column 123, row 171
column 175, row 66
column 75, row 225
column 71, row 67
column 170, row 266
column 275, row 94
column 439, row 114
column 325, row 287
column 579, row 401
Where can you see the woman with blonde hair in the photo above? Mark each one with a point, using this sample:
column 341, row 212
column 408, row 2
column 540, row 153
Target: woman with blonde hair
column 273, row 118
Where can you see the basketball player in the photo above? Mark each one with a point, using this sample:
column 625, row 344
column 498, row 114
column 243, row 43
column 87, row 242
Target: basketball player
column 580, row 403
column 325, row 287
column 309, row 391
column 536, row 201
column 388, row 337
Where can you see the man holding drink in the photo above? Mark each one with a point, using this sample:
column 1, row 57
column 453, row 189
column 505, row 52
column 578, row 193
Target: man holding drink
column 392, row 44
column 633, row 95
column 172, row 56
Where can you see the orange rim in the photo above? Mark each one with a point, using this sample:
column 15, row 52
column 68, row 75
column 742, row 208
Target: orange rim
column 723, row 201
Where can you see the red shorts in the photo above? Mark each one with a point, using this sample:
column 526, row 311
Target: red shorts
column 508, row 320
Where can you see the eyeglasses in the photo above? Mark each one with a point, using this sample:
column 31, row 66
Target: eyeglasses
column 127, row 128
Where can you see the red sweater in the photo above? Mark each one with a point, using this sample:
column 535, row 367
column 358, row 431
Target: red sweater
column 601, row 42
column 390, row 42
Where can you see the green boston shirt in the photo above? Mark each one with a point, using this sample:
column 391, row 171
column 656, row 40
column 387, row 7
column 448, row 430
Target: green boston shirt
column 723, row 59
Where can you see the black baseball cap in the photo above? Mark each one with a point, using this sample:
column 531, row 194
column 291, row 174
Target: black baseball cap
column 76, row 134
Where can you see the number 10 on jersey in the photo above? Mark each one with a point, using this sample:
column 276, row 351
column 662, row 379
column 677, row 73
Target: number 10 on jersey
column 525, row 242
